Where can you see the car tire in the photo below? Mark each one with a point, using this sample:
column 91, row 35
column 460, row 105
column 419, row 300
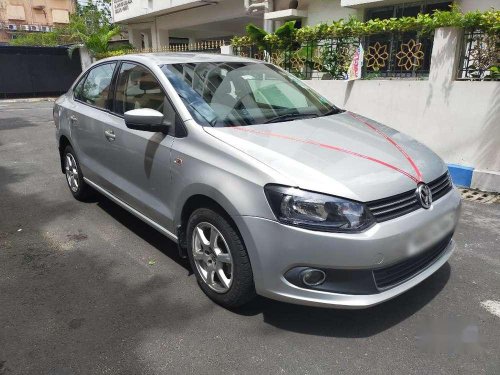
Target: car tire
column 228, row 246
column 74, row 176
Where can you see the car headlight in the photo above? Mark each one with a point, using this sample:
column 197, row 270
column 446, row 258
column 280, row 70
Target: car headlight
column 317, row 211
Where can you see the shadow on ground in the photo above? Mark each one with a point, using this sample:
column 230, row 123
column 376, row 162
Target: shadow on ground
column 141, row 229
column 349, row 323
column 10, row 123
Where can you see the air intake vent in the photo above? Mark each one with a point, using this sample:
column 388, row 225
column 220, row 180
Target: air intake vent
column 398, row 273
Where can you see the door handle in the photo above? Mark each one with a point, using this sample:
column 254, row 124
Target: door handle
column 73, row 120
column 110, row 135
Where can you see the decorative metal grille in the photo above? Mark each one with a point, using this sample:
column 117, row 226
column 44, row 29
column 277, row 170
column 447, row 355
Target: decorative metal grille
column 480, row 58
column 398, row 55
column 386, row 55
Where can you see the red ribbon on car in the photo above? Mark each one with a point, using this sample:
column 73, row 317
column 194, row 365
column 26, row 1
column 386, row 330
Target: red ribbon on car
column 417, row 179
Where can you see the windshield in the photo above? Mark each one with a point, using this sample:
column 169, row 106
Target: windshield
column 244, row 93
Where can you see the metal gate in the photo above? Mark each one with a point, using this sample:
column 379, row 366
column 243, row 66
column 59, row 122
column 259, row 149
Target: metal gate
column 37, row 71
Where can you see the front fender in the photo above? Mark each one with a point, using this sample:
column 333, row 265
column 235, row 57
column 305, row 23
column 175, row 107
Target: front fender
column 202, row 189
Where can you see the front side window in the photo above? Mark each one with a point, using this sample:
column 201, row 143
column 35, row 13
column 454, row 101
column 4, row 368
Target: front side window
column 137, row 88
column 96, row 87
column 243, row 93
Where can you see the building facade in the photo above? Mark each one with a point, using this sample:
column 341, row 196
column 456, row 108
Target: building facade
column 32, row 16
column 158, row 23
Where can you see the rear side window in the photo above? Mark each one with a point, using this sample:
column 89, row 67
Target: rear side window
column 96, row 87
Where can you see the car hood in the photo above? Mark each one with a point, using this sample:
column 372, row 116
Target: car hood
column 345, row 155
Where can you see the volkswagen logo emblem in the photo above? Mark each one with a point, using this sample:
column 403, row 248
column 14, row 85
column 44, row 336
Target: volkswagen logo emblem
column 424, row 195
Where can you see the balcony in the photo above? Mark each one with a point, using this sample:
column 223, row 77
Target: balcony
column 125, row 10
column 357, row 3
column 285, row 15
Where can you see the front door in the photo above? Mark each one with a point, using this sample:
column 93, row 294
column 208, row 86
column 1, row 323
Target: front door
column 137, row 164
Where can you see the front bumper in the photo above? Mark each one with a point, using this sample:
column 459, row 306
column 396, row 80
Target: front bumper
column 275, row 248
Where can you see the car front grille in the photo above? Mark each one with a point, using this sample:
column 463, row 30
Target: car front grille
column 402, row 204
column 395, row 274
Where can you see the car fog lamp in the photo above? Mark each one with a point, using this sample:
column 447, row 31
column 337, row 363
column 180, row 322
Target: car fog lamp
column 312, row 277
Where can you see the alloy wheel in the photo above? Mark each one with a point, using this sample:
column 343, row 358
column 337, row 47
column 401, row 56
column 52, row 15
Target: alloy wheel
column 71, row 172
column 212, row 257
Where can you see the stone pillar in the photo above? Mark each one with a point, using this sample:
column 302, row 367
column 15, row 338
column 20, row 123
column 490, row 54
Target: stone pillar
column 445, row 57
column 85, row 58
column 269, row 24
column 154, row 37
column 134, row 38
column 162, row 38
column 147, row 41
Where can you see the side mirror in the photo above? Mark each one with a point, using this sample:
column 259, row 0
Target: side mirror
column 146, row 119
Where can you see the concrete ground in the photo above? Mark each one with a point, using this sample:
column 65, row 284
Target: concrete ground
column 86, row 288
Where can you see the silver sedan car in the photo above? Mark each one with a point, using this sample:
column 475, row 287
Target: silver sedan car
column 266, row 186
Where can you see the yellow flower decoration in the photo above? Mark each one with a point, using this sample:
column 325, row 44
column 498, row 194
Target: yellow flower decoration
column 297, row 62
column 317, row 63
column 410, row 55
column 376, row 56
column 278, row 59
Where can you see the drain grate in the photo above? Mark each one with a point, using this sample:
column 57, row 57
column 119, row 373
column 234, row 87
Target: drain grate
column 479, row 196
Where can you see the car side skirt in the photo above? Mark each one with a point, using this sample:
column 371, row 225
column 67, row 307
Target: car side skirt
column 132, row 210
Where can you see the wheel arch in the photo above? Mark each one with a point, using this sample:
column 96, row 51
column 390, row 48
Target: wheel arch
column 63, row 143
column 192, row 203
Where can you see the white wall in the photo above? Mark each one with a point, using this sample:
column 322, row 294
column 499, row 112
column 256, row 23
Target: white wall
column 326, row 11
column 470, row 5
column 459, row 121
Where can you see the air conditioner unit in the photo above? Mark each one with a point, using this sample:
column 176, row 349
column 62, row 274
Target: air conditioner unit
column 45, row 29
column 12, row 27
column 25, row 27
column 34, row 28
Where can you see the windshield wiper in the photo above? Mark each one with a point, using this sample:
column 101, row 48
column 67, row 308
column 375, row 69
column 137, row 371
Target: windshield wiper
column 290, row 117
column 333, row 111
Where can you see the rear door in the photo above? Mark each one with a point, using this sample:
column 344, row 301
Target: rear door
column 137, row 162
column 89, row 113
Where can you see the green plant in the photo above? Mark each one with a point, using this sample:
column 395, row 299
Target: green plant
column 113, row 52
column 283, row 36
column 91, row 25
column 494, row 73
column 38, row 39
column 488, row 21
column 336, row 58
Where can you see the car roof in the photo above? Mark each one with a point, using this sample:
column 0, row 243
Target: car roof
column 161, row 58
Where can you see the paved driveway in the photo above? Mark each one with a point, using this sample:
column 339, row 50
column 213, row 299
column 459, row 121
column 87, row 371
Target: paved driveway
column 86, row 288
